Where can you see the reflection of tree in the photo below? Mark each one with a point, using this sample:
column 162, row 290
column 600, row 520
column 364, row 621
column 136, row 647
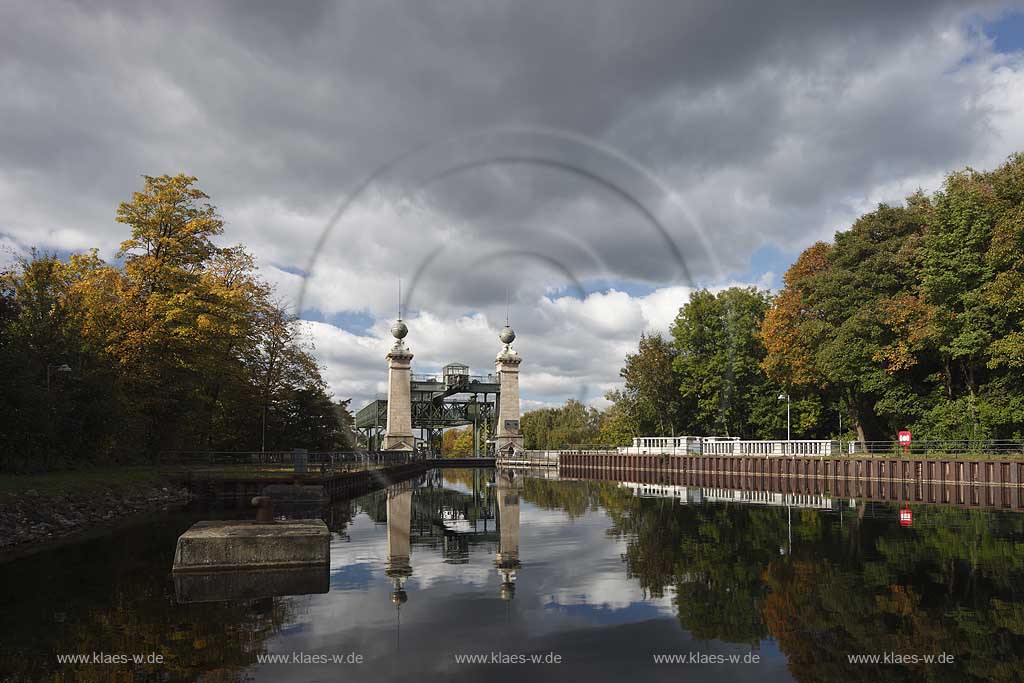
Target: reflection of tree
column 950, row 584
column 712, row 555
column 576, row 498
column 467, row 476
column 115, row 596
column 338, row 515
column 720, row 596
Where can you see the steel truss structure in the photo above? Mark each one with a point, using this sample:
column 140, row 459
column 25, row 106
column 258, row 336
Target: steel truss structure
column 439, row 402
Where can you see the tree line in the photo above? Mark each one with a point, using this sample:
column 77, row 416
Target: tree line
column 913, row 318
column 179, row 345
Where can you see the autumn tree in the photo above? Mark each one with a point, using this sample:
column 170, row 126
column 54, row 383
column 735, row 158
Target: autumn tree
column 182, row 346
column 912, row 317
column 457, row 442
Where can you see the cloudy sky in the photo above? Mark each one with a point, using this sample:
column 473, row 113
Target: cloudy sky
column 592, row 162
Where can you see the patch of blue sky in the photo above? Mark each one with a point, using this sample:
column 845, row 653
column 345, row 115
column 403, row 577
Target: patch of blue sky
column 768, row 264
column 352, row 577
column 1006, row 32
column 291, row 270
column 602, row 286
column 356, row 322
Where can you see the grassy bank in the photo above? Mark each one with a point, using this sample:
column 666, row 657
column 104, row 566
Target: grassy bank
column 80, row 482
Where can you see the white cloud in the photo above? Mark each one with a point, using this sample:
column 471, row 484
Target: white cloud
column 574, row 349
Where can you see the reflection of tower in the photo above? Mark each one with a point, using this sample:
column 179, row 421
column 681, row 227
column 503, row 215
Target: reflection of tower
column 398, row 435
column 508, row 436
column 399, row 567
column 507, row 559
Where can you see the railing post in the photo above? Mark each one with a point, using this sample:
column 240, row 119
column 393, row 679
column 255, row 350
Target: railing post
column 300, row 460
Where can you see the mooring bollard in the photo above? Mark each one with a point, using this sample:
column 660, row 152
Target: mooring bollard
column 264, row 509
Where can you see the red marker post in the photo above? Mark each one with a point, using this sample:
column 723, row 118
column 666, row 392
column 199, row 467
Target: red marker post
column 905, row 439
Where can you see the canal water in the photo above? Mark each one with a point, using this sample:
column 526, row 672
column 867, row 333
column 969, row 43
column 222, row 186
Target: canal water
column 537, row 580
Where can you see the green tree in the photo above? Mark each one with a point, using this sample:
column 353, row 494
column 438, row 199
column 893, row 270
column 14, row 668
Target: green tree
column 617, row 426
column 572, row 424
column 720, row 352
column 651, row 396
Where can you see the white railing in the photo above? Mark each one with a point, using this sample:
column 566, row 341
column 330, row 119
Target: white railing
column 716, row 445
column 643, row 445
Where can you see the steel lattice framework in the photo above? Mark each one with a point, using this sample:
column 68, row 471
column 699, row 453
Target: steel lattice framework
column 438, row 402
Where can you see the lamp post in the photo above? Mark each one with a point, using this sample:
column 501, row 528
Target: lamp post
column 263, row 436
column 786, row 396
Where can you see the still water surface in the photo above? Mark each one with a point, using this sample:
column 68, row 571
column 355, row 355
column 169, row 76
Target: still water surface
column 464, row 562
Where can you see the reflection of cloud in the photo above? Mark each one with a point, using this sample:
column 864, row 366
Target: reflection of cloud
column 431, row 570
column 572, row 597
column 608, row 591
column 596, row 558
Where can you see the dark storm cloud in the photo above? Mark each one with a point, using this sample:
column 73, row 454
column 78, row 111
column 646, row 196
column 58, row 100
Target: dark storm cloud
column 298, row 100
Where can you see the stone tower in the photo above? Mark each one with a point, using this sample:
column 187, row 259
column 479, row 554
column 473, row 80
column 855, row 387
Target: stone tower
column 398, row 435
column 508, row 435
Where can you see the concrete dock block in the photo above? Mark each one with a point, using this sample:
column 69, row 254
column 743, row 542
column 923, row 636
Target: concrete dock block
column 237, row 545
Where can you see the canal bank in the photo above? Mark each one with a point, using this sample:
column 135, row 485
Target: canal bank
column 39, row 510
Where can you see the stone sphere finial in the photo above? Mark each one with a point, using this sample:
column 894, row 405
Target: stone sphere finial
column 399, row 329
column 508, row 335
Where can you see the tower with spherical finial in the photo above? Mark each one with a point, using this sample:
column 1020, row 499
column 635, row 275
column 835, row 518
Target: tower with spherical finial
column 508, row 438
column 398, row 434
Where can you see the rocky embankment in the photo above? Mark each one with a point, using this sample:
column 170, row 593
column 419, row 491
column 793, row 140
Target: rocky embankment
column 35, row 517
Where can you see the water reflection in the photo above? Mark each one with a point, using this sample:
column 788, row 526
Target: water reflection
column 507, row 557
column 606, row 574
column 399, row 543
column 249, row 584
